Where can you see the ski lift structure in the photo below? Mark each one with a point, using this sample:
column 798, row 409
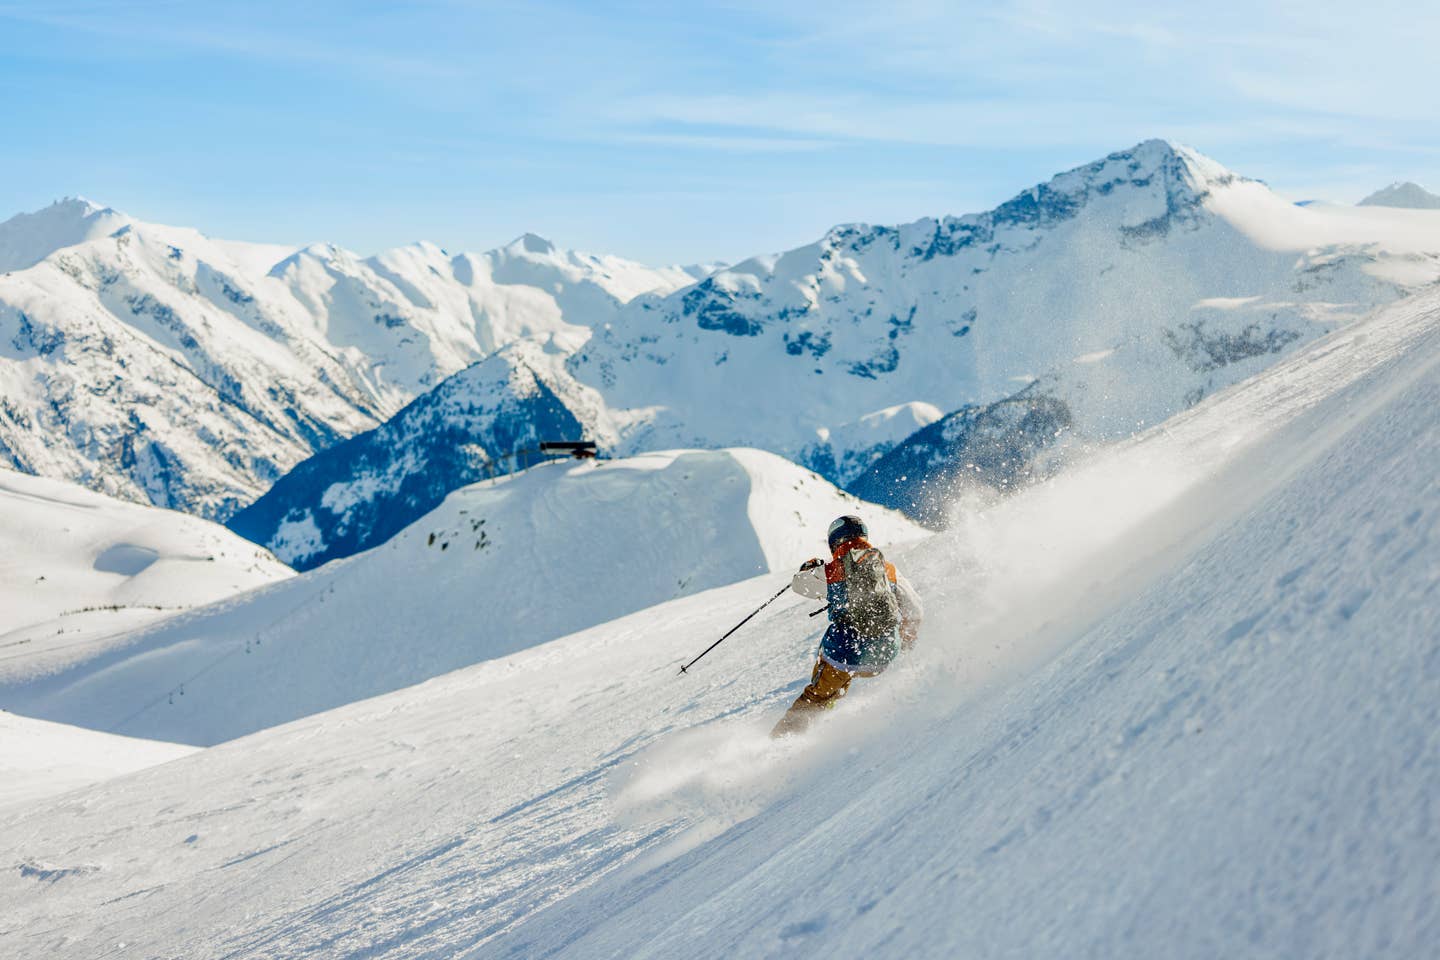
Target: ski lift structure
column 546, row 451
column 578, row 449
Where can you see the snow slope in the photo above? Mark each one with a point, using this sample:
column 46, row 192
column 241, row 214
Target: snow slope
column 40, row 759
column 499, row 566
column 1237, row 759
column 1116, row 294
column 1180, row 701
column 77, row 568
column 160, row 365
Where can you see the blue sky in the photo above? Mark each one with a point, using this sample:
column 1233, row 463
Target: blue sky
column 679, row 132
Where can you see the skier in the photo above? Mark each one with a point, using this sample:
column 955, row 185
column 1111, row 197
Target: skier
column 874, row 614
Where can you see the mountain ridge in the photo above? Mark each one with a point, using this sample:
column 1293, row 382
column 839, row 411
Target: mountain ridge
column 1119, row 292
column 160, row 365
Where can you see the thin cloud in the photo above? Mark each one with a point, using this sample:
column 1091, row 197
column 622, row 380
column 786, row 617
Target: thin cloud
column 992, row 123
column 726, row 142
column 151, row 32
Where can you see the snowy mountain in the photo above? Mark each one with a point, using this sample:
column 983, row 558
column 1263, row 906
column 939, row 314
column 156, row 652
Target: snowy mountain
column 500, row 566
column 1408, row 195
column 1116, row 294
column 991, row 446
column 359, row 493
column 77, row 568
column 1186, row 691
column 159, row 365
column 1138, row 283
column 28, row 238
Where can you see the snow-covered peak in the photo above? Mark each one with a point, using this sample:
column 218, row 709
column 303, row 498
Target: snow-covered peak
column 73, row 209
column 530, row 243
column 535, row 251
column 1143, row 187
column 1179, row 176
column 1409, row 195
column 320, row 254
column 533, row 260
column 700, row 271
column 28, row 238
column 75, row 206
column 1156, row 154
column 892, row 424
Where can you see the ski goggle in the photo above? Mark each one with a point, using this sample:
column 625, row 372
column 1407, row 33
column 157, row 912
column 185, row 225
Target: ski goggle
column 846, row 528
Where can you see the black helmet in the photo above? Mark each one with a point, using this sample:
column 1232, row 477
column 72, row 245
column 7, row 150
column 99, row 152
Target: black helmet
column 846, row 528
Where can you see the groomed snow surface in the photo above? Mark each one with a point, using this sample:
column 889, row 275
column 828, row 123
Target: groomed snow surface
column 1181, row 701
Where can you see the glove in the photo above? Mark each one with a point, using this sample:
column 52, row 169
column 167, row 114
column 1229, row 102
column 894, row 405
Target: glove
column 810, row 580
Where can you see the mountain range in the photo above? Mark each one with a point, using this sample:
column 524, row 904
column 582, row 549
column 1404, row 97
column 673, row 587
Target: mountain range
column 320, row 401
column 160, row 365
column 1112, row 296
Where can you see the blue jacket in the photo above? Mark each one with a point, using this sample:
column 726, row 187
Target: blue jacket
column 843, row 646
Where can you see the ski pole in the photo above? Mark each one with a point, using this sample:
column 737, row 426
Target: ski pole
column 820, row 611
column 736, row 627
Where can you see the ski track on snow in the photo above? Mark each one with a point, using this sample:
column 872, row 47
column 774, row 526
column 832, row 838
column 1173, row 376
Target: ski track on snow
column 1149, row 715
